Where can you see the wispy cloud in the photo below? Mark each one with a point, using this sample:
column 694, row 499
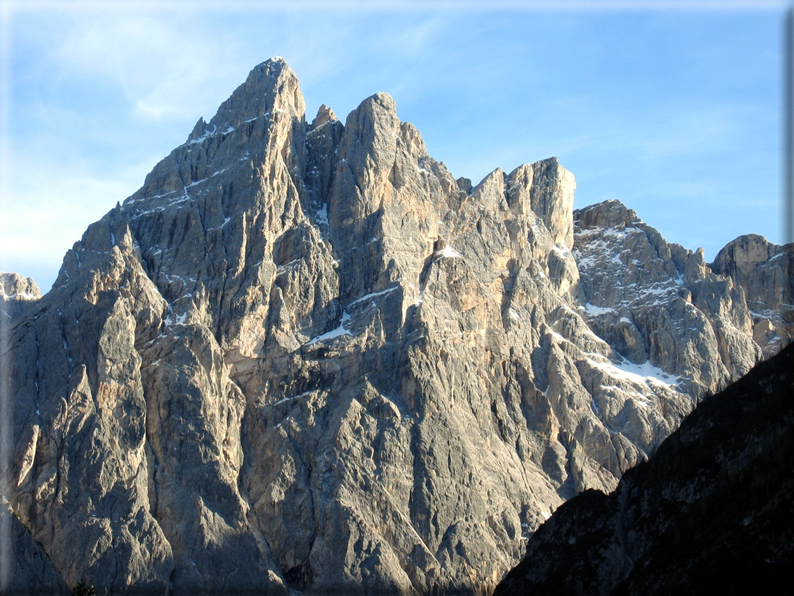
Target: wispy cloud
column 56, row 207
column 161, row 65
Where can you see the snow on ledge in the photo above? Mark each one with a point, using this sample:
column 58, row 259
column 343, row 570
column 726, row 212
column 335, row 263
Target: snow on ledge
column 636, row 373
column 339, row 331
column 24, row 296
column 371, row 296
column 592, row 309
column 447, row 253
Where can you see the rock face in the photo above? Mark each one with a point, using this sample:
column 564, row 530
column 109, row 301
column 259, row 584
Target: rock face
column 15, row 293
column 26, row 568
column 303, row 356
column 711, row 511
column 765, row 273
column 658, row 302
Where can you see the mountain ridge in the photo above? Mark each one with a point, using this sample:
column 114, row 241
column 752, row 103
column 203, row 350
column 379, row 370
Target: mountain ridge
column 304, row 356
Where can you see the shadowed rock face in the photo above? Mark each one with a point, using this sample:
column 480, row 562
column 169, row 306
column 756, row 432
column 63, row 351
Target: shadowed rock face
column 711, row 511
column 302, row 356
column 26, row 568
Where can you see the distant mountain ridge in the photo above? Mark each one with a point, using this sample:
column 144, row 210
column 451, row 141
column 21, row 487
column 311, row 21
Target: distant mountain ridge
column 304, row 357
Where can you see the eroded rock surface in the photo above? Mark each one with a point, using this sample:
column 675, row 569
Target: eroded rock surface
column 303, row 356
column 711, row 511
column 765, row 272
column 25, row 570
column 659, row 303
column 16, row 292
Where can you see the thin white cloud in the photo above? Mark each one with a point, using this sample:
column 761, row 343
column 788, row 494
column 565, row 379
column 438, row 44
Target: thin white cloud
column 417, row 39
column 163, row 67
column 53, row 205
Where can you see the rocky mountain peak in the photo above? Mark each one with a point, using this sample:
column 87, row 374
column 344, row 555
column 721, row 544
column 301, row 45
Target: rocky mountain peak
column 307, row 358
column 529, row 190
column 15, row 287
column 271, row 87
column 741, row 256
column 324, row 115
column 371, row 134
column 608, row 214
column 16, row 292
column 765, row 272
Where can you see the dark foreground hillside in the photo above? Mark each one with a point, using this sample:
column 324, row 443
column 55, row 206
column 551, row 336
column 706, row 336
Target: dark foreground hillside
column 712, row 511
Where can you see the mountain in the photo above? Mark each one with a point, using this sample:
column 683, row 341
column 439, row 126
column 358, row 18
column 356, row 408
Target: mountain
column 710, row 512
column 304, row 357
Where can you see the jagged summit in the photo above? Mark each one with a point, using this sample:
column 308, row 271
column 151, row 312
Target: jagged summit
column 270, row 87
column 610, row 213
column 15, row 292
column 765, row 272
column 324, row 115
column 745, row 253
column 305, row 357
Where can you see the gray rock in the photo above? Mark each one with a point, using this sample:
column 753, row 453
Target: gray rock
column 306, row 357
column 764, row 271
column 660, row 304
column 26, row 568
column 16, row 293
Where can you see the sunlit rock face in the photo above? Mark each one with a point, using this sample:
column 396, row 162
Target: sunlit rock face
column 303, row 356
column 16, row 292
column 765, row 272
column 659, row 303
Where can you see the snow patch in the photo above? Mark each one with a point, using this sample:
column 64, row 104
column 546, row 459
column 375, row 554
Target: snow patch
column 644, row 373
column 372, row 295
column 646, row 370
column 333, row 333
column 322, row 214
column 592, row 309
column 447, row 253
column 180, row 320
column 293, row 398
column 288, row 266
column 203, row 137
column 20, row 296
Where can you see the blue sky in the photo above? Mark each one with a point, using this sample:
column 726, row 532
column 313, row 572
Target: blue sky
column 673, row 108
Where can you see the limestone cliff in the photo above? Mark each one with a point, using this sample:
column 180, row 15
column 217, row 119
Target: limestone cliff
column 16, row 292
column 711, row 511
column 303, row 356
column 765, row 273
